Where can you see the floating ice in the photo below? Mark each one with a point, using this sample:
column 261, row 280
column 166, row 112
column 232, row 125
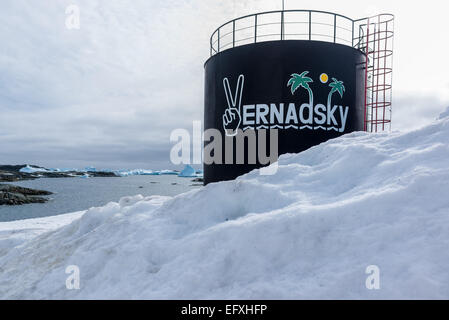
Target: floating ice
column 187, row 172
column 135, row 172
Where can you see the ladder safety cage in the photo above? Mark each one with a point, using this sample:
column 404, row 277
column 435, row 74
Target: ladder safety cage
column 374, row 37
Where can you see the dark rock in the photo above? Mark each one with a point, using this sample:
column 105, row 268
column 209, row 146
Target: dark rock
column 24, row 191
column 14, row 195
column 103, row 174
column 10, row 176
column 198, row 180
column 15, row 168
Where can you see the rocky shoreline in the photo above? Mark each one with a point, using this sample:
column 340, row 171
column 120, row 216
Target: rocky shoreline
column 14, row 195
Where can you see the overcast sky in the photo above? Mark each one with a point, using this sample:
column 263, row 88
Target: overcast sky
column 110, row 93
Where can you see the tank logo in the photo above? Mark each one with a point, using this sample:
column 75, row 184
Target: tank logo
column 232, row 117
column 286, row 115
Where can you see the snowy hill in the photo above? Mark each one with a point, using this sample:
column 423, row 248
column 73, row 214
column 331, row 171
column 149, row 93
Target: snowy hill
column 309, row 231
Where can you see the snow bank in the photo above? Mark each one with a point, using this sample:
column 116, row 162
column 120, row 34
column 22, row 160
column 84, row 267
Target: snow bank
column 310, row 231
column 15, row 233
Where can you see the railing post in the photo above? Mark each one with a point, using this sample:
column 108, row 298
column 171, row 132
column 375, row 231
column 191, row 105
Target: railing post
column 310, row 25
column 282, row 25
column 233, row 34
column 255, row 28
column 335, row 28
column 352, row 43
column 218, row 41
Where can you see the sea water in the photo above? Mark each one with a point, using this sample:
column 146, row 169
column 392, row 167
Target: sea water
column 76, row 194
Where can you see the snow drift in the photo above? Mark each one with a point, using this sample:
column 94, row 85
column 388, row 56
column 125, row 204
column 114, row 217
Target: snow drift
column 309, row 231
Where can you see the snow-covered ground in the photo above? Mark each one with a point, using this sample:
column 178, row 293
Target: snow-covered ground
column 17, row 232
column 309, row 231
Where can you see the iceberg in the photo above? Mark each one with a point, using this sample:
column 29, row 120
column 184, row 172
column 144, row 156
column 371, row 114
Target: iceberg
column 135, row 172
column 30, row 169
column 187, row 172
column 66, row 170
column 168, row 172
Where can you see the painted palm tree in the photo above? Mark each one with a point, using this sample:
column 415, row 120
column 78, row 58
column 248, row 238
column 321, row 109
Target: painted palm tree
column 300, row 80
column 337, row 86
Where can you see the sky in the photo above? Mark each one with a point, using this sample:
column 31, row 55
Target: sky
column 110, row 93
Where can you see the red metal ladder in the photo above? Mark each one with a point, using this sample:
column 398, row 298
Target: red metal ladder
column 375, row 39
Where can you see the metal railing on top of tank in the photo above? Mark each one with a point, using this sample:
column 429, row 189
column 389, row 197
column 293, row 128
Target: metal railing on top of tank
column 287, row 25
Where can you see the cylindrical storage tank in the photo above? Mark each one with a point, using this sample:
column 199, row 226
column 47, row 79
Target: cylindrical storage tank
column 303, row 92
